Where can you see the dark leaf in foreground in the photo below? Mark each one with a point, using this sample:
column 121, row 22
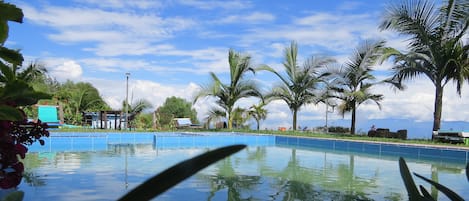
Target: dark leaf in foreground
column 451, row 194
column 409, row 183
column 426, row 194
column 177, row 173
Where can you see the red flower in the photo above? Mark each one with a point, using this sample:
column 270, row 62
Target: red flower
column 12, row 179
column 21, row 150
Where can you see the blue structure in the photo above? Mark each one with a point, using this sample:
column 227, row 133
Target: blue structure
column 50, row 114
column 104, row 120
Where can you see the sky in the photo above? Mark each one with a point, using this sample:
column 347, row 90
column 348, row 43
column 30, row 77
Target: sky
column 170, row 46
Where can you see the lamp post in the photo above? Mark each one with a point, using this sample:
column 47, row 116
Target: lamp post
column 126, row 100
column 328, row 111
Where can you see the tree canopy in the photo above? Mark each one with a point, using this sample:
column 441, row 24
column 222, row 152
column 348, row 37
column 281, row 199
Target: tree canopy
column 175, row 107
column 228, row 94
column 438, row 46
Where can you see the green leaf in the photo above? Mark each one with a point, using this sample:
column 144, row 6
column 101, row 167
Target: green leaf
column 177, row 173
column 7, row 73
column 426, row 194
column 14, row 196
column 448, row 192
column 10, row 113
column 3, row 32
column 21, row 94
column 9, row 12
column 409, row 183
column 13, row 57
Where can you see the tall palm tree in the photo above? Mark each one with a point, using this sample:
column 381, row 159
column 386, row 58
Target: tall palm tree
column 239, row 117
column 239, row 87
column 258, row 112
column 355, row 79
column 214, row 114
column 438, row 46
column 297, row 86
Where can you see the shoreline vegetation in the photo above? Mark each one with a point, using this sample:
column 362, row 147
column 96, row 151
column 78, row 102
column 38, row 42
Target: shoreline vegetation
column 292, row 133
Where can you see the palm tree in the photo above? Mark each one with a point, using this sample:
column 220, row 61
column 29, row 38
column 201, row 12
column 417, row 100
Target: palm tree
column 32, row 72
column 437, row 45
column 77, row 98
column 228, row 94
column 239, row 117
column 297, row 87
column 214, row 114
column 258, row 112
column 136, row 108
column 355, row 79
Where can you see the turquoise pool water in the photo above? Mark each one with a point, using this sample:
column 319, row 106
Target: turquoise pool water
column 100, row 166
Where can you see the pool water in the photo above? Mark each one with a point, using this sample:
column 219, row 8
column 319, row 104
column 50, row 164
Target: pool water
column 106, row 166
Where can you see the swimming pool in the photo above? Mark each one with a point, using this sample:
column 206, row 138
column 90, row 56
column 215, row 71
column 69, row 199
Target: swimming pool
column 104, row 166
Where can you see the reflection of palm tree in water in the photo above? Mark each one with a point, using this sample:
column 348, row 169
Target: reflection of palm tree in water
column 295, row 181
column 298, row 183
column 226, row 178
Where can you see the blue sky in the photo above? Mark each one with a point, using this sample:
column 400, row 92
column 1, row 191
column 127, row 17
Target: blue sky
column 169, row 47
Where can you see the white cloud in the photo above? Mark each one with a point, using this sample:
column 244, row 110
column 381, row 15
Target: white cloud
column 113, row 32
column 334, row 32
column 252, row 18
column 210, row 4
column 67, row 70
column 140, row 4
column 114, row 92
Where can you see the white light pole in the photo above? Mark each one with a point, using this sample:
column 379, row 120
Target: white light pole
column 126, row 100
column 328, row 111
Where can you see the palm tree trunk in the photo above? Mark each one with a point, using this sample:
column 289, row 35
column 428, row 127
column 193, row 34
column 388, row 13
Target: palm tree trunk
column 438, row 108
column 352, row 126
column 230, row 123
column 294, row 118
column 257, row 124
column 230, row 118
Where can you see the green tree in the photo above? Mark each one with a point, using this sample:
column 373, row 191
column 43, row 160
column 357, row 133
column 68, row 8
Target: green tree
column 143, row 121
column 228, row 94
column 239, row 117
column 214, row 115
column 355, row 79
column 175, row 107
column 135, row 109
column 297, row 87
column 76, row 98
column 258, row 112
column 438, row 46
column 36, row 75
